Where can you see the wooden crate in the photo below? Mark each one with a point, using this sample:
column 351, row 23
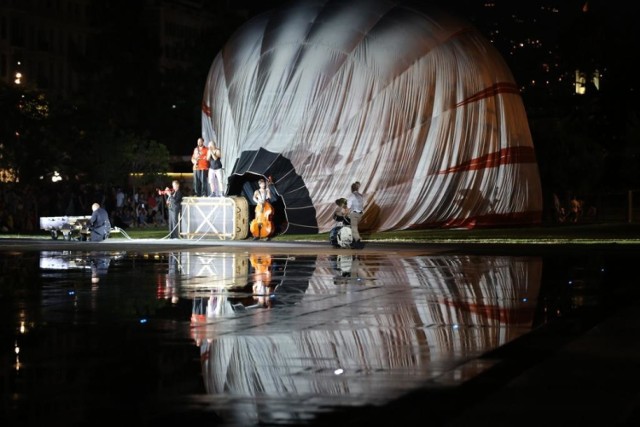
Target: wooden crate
column 223, row 218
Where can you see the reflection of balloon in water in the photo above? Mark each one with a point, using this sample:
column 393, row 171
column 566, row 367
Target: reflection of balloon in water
column 492, row 298
column 414, row 104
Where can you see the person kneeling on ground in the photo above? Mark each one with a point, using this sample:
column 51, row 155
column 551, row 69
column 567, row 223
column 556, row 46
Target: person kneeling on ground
column 99, row 223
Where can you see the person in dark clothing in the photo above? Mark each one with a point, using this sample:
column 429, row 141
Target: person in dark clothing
column 174, row 205
column 99, row 223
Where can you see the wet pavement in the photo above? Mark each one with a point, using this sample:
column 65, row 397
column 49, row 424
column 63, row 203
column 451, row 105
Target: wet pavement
column 239, row 333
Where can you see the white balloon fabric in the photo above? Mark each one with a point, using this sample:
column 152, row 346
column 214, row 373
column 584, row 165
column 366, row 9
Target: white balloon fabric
column 414, row 104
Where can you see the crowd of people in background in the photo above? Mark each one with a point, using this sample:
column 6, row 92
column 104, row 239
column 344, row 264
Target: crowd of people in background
column 22, row 206
column 572, row 210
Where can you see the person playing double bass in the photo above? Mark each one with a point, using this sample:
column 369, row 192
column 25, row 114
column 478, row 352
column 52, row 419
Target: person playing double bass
column 262, row 226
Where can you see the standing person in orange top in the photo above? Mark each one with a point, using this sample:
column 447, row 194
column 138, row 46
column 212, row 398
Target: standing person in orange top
column 200, row 169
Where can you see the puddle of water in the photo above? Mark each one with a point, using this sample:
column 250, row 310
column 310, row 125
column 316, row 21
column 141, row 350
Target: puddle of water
column 241, row 339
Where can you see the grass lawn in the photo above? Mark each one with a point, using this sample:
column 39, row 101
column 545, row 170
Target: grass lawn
column 575, row 233
column 628, row 233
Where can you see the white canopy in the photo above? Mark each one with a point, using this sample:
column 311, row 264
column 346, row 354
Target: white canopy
column 416, row 105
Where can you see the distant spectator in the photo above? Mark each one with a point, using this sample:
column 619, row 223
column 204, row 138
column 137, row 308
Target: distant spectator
column 141, row 215
column 120, row 198
column 575, row 209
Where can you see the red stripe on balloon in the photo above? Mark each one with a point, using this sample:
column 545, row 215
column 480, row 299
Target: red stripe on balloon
column 505, row 156
column 206, row 109
column 493, row 90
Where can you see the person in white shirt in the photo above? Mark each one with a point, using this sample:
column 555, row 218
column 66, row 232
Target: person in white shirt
column 214, row 156
column 120, row 196
column 355, row 207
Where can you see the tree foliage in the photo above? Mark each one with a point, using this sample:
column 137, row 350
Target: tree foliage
column 24, row 139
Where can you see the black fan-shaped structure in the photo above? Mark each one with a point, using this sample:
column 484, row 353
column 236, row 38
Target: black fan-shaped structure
column 294, row 211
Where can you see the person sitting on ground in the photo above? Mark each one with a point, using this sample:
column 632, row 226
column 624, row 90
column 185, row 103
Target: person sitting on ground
column 340, row 213
column 341, row 218
column 127, row 217
column 141, row 215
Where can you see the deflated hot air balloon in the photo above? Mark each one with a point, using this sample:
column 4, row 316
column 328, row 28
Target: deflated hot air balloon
column 414, row 104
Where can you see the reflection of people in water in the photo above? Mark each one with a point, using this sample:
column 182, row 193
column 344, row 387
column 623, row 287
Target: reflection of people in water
column 217, row 304
column 261, row 279
column 172, row 278
column 99, row 266
column 270, row 286
column 352, row 269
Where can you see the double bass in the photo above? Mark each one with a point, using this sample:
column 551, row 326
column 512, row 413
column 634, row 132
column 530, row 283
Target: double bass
column 262, row 225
